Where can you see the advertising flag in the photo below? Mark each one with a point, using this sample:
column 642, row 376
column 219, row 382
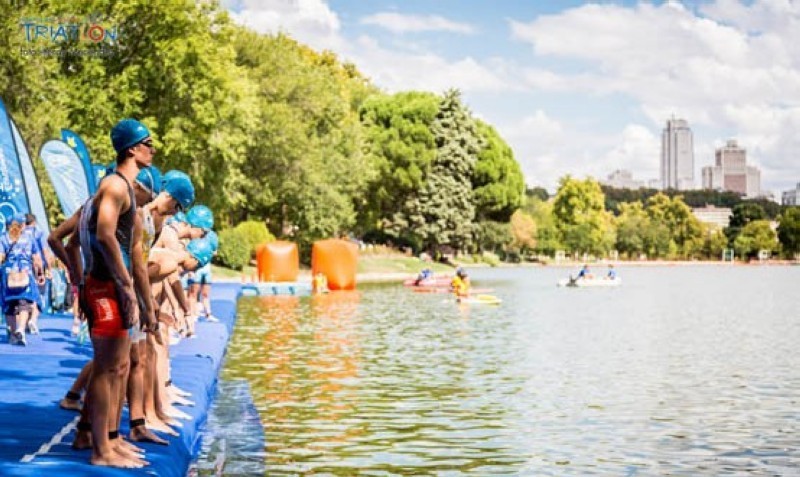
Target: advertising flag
column 34, row 192
column 75, row 142
column 13, row 198
column 66, row 173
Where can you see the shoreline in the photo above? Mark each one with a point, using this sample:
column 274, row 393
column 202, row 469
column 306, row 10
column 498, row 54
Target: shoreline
column 399, row 277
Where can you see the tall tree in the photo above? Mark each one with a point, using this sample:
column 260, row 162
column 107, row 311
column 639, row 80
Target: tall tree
column 400, row 147
column 444, row 212
column 581, row 218
column 789, row 230
column 498, row 185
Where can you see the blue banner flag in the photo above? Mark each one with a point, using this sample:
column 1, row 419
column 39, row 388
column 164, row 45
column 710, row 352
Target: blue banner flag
column 66, row 174
column 75, row 142
column 34, row 192
column 13, row 199
column 100, row 171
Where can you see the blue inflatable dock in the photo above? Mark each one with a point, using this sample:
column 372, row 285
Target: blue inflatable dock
column 35, row 434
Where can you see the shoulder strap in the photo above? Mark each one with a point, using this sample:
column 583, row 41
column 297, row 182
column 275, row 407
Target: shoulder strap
column 130, row 189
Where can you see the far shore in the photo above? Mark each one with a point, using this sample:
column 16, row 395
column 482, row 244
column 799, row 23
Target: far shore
column 383, row 277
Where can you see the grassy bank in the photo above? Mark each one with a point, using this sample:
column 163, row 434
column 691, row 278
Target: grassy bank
column 368, row 264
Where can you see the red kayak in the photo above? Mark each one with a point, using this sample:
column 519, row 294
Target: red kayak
column 428, row 282
column 447, row 290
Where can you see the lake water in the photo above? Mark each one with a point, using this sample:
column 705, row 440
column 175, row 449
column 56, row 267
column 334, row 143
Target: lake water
column 690, row 370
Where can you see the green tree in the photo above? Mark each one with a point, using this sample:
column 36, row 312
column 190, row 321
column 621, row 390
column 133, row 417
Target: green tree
column 523, row 232
column 684, row 230
column 547, row 234
column 443, row 212
column 756, row 235
column 743, row 214
column 580, row 216
column 633, row 226
column 789, row 230
column 400, row 147
column 498, row 185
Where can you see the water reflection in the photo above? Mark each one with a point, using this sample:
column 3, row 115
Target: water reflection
column 685, row 371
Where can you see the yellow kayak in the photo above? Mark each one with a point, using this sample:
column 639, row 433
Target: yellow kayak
column 480, row 299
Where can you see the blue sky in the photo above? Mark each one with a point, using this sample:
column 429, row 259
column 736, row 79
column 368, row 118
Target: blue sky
column 580, row 88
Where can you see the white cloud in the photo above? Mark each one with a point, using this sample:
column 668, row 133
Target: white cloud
column 403, row 23
column 309, row 21
column 396, row 70
column 735, row 70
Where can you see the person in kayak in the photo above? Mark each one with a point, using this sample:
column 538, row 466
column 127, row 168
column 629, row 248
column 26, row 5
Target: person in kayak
column 612, row 274
column 460, row 284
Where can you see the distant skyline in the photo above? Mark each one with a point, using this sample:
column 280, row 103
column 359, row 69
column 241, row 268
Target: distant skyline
column 579, row 88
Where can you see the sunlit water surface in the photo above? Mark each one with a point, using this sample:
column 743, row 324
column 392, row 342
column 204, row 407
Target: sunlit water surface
column 680, row 371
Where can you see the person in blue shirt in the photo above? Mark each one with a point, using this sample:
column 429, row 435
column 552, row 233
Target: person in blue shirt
column 612, row 274
column 584, row 273
column 43, row 280
column 21, row 263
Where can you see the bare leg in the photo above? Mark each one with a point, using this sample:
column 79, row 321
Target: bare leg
column 33, row 324
column 72, row 400
column 110, row 361
column 22, row 322
column 136, row 385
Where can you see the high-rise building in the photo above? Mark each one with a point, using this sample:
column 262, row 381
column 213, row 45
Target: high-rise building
column 677, row 156
column 730, row 172
column 791, row 196
column 622, row 179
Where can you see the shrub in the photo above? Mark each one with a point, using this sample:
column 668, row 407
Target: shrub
column 253, row 233
column 234, row 251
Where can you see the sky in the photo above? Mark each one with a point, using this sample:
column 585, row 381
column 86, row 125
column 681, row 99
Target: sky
column 576, row 87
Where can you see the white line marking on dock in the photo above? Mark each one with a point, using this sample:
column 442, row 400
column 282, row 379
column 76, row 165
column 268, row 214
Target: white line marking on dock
column 45, row 448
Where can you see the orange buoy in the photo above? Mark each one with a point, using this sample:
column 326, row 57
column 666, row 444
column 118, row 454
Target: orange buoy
column 277, row 261
column 337, row 260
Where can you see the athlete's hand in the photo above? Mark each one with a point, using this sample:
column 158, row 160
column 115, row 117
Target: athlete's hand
column 129, row 306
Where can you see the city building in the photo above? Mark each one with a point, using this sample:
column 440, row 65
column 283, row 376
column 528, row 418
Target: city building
column 677, row 156
column 792, row 196
column 718, row 217
column 622, row 179
column 730, row 172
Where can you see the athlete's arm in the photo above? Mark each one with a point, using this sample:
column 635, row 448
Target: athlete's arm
column 140, row 278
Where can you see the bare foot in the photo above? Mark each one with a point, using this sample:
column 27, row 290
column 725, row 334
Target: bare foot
column 83, row 440
column 128, row 446
column 161, row 427
column 70, row 405
column 180, row 400
column 180, row 392
column 143, row 434
column 125, row 453
column 177, row 413
column 116, row 460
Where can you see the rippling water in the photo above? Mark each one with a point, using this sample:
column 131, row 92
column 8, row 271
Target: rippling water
column 680, row 371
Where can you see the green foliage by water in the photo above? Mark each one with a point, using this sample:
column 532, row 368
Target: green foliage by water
column 234, row 250
column 269, row 129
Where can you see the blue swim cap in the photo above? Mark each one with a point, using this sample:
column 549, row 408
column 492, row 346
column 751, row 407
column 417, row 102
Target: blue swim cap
column 150, row 179
column 179, row 217
column 200, row 217
column 213, row 239
column 201, row 250
column 127, row 133
column 180, row 187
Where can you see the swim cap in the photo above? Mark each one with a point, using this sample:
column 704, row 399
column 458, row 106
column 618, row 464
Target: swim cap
column 179, row 217
column 213, row 239
column 200, row 217
column 127, row 133
column 180, row 187
column 201, row 250
column 150, row 178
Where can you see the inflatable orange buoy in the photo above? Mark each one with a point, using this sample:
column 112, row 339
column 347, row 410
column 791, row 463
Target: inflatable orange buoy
column 337, row 260
column 277, row 262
